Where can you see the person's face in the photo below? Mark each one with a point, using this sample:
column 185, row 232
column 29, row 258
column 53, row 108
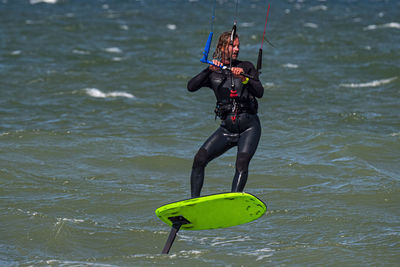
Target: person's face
column 231, row 51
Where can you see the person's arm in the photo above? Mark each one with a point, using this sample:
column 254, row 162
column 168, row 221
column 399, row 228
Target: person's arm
column 254, row 85
column 198, row 81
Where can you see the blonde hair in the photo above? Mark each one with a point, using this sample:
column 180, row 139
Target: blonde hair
column 223, row 41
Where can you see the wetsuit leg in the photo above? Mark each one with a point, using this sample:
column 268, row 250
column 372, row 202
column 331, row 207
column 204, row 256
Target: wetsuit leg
column 197, row 177
column 218, row 143
column 247, row 146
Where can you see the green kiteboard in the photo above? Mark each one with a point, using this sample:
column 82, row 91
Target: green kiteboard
column 210, row 212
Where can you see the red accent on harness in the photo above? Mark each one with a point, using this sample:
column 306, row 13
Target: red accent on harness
column 233, row 118
column 233, row 93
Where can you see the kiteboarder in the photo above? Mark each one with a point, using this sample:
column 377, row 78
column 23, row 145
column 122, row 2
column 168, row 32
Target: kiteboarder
column 237, row 108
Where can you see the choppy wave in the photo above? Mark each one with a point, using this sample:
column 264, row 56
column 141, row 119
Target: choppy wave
column 82, row 169
column 310, row 25
column 374, row 83
column 43, row 1
column 290, row 66
column 55, row 262
column 16, row 53
column 171, row 27
column 94, row 92
column 113, row 50
column 318, row 8
column 247, row 24
column 392, row 25
column 80, row 52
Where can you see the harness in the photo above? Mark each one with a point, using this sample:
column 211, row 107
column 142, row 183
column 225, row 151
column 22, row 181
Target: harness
column 223, row 109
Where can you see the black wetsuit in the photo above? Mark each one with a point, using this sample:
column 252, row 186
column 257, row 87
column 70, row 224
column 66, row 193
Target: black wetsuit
column 240, row 126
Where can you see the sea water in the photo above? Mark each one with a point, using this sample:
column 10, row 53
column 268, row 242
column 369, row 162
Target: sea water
column 97, row 130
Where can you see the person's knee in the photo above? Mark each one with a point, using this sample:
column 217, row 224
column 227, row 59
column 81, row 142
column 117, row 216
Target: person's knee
column 242, row 162
column 200, row 160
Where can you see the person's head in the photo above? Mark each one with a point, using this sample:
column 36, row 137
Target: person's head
column 224, row 51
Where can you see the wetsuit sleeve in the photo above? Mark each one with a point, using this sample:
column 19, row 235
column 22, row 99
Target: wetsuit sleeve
column 200, row 80
column 254, row 85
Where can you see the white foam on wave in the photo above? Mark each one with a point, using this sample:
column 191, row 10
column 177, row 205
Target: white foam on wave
column 374, row 83
column 319, row 8
column 290, row 66
column 259, row 253
column 392, row 25
column 247, row 24
column 69, row 220
column 117, row 59
column 171, row 27
column 54, row 262
column 269, row 84
column 33, row 2
column 80, row 52
column 124, row 27
column 219, row 241
column 188, row 254
column 310, row 25
column 16, row 52
column 113, row 50
column 94, row 92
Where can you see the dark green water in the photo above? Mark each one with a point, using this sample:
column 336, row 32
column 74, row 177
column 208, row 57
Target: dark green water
column 97, row 130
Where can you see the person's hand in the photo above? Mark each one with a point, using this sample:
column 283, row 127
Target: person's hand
column 217, row 63
column 237, row 72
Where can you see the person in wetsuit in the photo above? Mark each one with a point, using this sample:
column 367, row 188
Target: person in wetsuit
column 236, row 107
